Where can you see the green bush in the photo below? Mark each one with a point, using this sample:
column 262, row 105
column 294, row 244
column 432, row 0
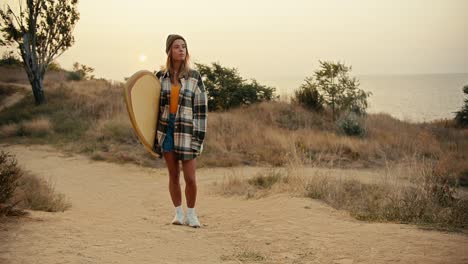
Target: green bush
column 351, row 124
column 461, row 116
column 308, row 96
column 227, row 89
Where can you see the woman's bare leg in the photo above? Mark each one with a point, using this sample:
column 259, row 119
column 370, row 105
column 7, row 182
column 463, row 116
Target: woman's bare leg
column 174, row 176
column 188, row 167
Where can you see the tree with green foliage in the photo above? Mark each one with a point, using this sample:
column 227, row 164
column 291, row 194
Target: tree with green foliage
column 461, row 117
column 308, row 95
column 42, row 31
column 227, row 89
column 332, row 85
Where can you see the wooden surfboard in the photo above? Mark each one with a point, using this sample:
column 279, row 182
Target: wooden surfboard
column 142, row 92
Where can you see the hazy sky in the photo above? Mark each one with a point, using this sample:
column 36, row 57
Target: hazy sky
column 269, row 40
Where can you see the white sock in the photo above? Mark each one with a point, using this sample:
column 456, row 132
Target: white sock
column 191, row 211
column 179, row 209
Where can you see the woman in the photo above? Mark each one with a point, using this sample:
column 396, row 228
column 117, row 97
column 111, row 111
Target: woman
column 182, row 125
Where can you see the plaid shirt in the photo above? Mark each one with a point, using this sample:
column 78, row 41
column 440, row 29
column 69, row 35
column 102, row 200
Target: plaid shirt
column 191, row 116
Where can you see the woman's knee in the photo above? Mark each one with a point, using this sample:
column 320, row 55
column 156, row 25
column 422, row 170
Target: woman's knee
column 190, row 180
column 189, row 172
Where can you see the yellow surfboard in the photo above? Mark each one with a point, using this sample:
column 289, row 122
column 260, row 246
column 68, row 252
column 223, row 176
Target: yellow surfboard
column 142, row 92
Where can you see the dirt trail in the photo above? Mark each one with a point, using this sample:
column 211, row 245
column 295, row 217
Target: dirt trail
column 121, row 214
column 15, row 97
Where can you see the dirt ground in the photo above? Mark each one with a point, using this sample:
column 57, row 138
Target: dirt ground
column 122, row 213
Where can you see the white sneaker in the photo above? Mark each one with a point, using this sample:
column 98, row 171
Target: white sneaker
column 178, row 218
column 192, row 220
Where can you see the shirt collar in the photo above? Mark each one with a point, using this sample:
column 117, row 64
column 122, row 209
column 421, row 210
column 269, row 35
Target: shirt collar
column 167, row 75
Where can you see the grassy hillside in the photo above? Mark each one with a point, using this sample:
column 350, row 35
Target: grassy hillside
column 90, row 117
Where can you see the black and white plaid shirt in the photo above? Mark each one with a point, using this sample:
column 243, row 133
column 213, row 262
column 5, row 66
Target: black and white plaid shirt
column 191, row 117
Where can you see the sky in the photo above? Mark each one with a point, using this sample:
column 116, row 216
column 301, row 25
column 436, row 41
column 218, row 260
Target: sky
column 273, row 40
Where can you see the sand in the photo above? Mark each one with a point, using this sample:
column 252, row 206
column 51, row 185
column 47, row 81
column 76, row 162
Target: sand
column 122, row 213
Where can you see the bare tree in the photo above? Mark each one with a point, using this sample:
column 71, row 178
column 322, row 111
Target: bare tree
column 42, row 31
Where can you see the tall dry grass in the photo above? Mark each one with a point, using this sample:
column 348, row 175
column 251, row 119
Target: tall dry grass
column 269, row 133
column 408, row 192
column 37, row 194
column 38, row 127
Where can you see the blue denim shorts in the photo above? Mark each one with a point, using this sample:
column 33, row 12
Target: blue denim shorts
column 168, row 144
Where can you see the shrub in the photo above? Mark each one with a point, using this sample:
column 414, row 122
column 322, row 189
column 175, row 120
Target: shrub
column 38, row 194
column 80, row 72
column 9, row 175
column 351, row 125
column 308, row 96
column 461, row 116
column 25, row 190
column 266, row 181
column 227, row 89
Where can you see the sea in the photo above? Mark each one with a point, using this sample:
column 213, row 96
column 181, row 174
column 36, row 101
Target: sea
column 413, row 98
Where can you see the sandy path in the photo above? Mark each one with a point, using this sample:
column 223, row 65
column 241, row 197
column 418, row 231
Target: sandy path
column 120, row 214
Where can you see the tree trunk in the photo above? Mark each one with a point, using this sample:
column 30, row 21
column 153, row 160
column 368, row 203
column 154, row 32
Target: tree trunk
column 38, row 90
column 33, row 70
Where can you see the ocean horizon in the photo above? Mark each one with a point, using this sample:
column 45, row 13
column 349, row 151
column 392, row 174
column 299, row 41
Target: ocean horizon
column 420, row 97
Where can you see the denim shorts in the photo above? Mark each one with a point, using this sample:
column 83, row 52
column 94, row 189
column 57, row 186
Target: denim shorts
column 168, row 144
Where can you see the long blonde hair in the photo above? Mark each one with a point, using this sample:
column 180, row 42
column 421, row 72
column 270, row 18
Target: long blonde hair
column 184, row 67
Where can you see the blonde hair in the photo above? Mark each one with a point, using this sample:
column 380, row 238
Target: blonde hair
column 184, row 67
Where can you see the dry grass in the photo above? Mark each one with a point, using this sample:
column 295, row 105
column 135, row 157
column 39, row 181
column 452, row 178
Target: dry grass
column 23, row 190
column 40, row 195
column 269, row 133
column 9, row 130
column 15, row 74
column 234, row 185
column 7, row 90
column 38, row 127
column 408, row 192
column 90, row 117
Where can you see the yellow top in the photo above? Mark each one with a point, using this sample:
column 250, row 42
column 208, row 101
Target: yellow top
column 175, row 90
